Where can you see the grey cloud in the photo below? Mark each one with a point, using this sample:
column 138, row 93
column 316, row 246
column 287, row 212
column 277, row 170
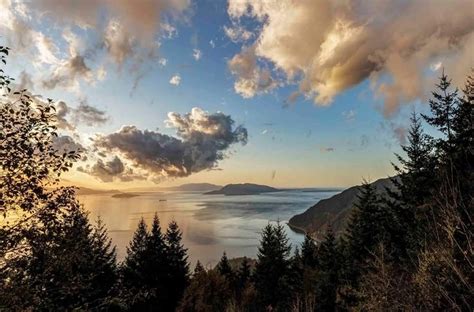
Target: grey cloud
column 111, row 170
column 69, row 117
column 327, row 149
column 89, row 115
column 65, row 143
column 202, row 142
column 67, row 72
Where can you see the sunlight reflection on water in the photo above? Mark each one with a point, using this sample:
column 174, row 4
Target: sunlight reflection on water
column 211, row 224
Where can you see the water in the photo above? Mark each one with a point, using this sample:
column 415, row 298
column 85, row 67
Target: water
column 211, row 224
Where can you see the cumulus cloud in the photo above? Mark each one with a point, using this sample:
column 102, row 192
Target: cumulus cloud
column 202, row 141
column 175, row 80
column 68, row 117
column 251, row 79
column 329, row 46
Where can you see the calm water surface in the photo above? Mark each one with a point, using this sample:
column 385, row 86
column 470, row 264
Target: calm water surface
column 211, row 224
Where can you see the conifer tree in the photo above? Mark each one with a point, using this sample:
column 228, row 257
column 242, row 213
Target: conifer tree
column 105, row 261
column 225, row 269
column 407, row 197
column 244, row 273
column 443, row 107
column 198, row 269
column 272, row 269
column 308, row 251
column 178, row 267
column 367, row 227
column 134, row 268
column 156, row 264
column 327, row 282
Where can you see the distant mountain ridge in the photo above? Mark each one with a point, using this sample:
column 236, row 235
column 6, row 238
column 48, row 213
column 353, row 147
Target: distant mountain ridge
column 193, row 187
column 333, row 211
column 243, row 189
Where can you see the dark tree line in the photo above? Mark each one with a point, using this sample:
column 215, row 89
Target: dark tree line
column 406, row 248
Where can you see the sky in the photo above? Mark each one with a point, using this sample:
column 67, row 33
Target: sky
column 288, row 93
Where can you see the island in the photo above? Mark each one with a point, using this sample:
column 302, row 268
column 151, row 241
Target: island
column 243, row 189
column 125, row 195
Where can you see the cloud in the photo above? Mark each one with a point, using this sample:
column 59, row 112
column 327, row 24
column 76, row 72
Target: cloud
column 327, row 47
column 162, row 61
column 251, row 79
column 327, row 149
column 349, row 115
column 111, row 170
column 69, row 117
column 175, row 80
column 202, row 141
column 67, row 73
column 197, row 54
column 212, row 43
column 65, row 144
column 237, row 33
column 128, row 32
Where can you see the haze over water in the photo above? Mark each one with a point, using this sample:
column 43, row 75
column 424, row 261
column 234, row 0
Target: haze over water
column 211, row 224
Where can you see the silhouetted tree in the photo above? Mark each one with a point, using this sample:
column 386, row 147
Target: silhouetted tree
column 272, row 269
column 225, row 269
column 308, row 252
column 178, row 267
column 327, row 282
column 407, row 199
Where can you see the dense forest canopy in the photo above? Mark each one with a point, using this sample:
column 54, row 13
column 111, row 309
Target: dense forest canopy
column 409, row 248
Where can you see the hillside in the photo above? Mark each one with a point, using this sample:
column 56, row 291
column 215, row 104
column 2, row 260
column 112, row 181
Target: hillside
column 333, row 211
column 243, row 189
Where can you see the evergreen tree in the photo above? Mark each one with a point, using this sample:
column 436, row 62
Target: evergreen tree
column 156, row 264
column 272, row 269
column 244, row 273
column 308, row 251
column 443, row 107
column 327, row 282
column 407, row 198
column 367, row 227
column 134, row 268
column 225, row 269
column 178, row 267
column 105, row 261
column 198, row 269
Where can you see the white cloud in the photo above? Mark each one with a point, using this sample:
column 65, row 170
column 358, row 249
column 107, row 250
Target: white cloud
column 349, row 115
column 175, row 80
column 162, row 61
column 329, row 46
column 197, row 54
column 237, row 33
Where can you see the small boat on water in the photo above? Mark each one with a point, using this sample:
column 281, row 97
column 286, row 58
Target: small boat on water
column 162, row 200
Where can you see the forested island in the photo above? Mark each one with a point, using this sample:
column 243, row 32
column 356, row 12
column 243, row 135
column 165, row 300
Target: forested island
column 243, row 189
column 402, row 248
